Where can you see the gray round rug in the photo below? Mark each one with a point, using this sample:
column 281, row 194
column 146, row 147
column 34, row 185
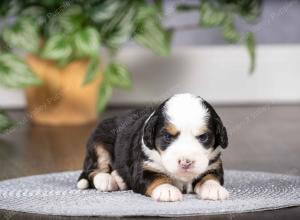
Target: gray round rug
column 56, row 194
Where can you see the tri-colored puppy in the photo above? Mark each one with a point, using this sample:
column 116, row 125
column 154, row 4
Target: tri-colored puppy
column 162, row 152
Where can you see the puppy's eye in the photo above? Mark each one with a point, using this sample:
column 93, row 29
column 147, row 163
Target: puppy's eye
column 203, row 137
column 167, row 137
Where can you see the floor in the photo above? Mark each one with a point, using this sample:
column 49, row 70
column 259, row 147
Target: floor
column 262, row 138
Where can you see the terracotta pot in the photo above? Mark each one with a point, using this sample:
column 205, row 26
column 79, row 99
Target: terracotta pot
column 61, row 99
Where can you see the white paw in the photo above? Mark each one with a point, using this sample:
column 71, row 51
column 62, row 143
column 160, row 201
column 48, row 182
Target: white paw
column 121, row 184
column 105, row 182
column 212, row 190
column 82, row 184
column 166, row 193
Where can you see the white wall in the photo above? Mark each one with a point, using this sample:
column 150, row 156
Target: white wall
column 10, row 98
column 217, row 73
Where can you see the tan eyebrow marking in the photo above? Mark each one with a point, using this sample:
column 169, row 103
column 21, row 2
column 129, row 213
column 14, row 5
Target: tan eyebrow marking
column 202, row 130
column 171, row 129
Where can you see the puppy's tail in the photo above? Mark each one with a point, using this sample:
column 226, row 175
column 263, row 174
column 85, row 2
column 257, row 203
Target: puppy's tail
column 83, row 182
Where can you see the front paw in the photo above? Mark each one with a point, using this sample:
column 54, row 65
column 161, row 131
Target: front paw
column 166, row 193
column 211, row 190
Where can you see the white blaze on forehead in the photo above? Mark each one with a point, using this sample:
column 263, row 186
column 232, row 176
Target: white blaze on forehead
column 186, row 111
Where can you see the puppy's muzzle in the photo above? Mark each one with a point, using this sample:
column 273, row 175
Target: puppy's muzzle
column 185, row 164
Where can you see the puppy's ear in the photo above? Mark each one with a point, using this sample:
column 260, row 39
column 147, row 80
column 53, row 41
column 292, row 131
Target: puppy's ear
column 149, row 131
column 221, row 138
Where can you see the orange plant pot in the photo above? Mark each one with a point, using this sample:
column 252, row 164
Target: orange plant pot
column 61, row 99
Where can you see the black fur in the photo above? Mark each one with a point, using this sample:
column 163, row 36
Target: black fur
column 216, row 125
column 122, row 137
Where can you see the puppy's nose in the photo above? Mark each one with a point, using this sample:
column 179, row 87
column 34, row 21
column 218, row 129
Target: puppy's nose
column 185, row 163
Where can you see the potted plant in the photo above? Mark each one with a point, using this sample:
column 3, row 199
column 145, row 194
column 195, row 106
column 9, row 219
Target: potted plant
column 52, row 48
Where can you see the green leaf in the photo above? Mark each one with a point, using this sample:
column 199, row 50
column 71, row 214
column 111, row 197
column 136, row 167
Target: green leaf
column 9, row 8
column 105, row 11
column 87, row 42
column 119, row 28
column 250, row 10
column 15, row 73
column 5, row 122
column 159, row 4
column 3, row 46
column 71, row 18
column 150, row 33
column 118, row 76
column 23, row 34
column 57, row 47
column 36, row 13
column 53, row 27
column 63, row 62
column 105, row 93
column 229, row 31
column 52, row 3
column 251, row 44
column 93, row 69
column 211, row 15
column 65, row 20
column 159, row 43
column 122, row 30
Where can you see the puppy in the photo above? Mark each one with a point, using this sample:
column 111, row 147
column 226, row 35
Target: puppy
column 159, row 152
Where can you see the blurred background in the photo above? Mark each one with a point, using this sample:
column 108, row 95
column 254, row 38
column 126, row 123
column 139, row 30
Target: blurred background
column 202, row 61
column 64, row 65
